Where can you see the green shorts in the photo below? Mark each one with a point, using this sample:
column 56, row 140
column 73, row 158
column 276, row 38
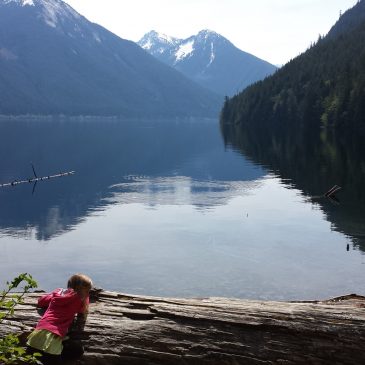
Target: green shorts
column 45, row 341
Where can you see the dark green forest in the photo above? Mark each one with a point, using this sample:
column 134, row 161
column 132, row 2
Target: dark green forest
column 323, row 87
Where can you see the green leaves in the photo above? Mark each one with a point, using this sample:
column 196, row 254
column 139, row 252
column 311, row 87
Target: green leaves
column 8, row 300
column 11, row 351
column 14, row 284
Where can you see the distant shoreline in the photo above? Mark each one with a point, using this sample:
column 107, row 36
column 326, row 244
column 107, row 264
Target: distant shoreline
column 114, row 118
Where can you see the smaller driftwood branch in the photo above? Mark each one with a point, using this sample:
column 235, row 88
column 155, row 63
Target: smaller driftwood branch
column 36, row 179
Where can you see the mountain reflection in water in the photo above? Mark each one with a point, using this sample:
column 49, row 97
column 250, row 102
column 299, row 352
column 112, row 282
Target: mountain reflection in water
column 166, row 208
column 103, row 153
column 179, row 190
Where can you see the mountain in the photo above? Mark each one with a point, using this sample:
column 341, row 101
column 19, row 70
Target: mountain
column 349, row 21
column 55, row 61
column 209, row 59
column 323, row 87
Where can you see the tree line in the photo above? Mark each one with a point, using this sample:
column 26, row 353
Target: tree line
column 323, row 87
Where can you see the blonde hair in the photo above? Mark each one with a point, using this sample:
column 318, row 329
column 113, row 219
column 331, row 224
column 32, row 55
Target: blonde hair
column 78, row 282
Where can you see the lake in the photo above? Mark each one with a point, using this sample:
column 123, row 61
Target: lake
column 175, row 208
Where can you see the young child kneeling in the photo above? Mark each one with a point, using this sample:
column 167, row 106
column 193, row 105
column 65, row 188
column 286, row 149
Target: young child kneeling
column 62, row 306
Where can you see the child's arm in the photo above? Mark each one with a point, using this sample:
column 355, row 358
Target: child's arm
column 44, row 300
column 80, row 321
column 82, row 315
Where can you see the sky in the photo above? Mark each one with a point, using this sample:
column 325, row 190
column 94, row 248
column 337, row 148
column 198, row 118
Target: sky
column 274, row 30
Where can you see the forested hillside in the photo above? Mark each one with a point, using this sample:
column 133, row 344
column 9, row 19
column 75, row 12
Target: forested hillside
column 324, row 86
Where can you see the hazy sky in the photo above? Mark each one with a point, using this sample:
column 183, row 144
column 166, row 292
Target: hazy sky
column 275, row 30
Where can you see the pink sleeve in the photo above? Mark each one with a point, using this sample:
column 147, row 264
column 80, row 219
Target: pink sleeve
column 44, row 300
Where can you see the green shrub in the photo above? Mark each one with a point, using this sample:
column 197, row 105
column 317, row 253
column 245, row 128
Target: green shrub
column 11, row 351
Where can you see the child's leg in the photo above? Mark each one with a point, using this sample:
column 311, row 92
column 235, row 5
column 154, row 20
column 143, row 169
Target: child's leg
column 72, row 349
column 46, row 359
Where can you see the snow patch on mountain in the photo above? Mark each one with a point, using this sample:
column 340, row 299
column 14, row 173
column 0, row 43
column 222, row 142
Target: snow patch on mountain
column 147, row 45
column 206, row 33
column 184, row 50
column 59, row 16
column 165, row 37
column 52, row 11
column 50, row 15
column 19, row 2
column 97, row 37
column 157, row 43
column 212, row 54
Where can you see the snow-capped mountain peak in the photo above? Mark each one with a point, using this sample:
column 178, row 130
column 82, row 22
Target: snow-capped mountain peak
column 154, row 38
column 58, row 15
column 53, row 12
column 179, row 50
column 157, row 43
column 165, row 38
column 206, row 33
column 55, row 61
column 209, row 59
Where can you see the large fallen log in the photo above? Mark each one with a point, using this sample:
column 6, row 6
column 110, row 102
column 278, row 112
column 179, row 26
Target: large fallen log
column 131, row 329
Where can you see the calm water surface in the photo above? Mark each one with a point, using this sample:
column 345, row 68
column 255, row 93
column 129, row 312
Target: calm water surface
column 165, row 208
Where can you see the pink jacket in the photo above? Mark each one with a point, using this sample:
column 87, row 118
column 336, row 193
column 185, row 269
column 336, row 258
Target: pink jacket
column 62, row 305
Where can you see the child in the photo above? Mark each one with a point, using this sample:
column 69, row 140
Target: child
column 62, row 305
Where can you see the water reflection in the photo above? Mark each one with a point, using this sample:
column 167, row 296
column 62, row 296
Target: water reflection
column 313, row 163
column 179, row 190
column 164, row 208
column 148, row 158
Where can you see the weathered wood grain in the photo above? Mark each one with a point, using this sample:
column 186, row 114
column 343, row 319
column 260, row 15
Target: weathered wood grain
column 131, row 329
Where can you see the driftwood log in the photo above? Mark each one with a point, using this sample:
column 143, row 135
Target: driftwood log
column 35, row 179
column 130, row 329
